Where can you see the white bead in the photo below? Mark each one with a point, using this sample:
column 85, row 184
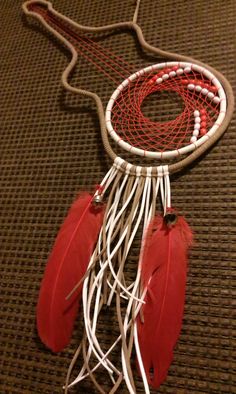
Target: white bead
column 205, row 91
column 197, row 126
column 197, row 119
column 180, row 71
column 196, row 133
column 210, row 95
column 196, row 113
column 190, row 86
column 216, row 100
column 198, row 88
column 193, row 139
column 172, row 74
column 165, row 77
column 187, row 70
column 159, row 80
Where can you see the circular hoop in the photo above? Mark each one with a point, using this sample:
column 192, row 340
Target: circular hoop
column 219, row 97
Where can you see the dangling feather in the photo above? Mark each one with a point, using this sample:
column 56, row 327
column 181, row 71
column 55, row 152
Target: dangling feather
column 163, row 272
column 66, row 266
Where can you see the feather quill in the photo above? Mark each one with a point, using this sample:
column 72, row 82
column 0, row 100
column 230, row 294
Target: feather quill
column 163, row 273
column 66, row 266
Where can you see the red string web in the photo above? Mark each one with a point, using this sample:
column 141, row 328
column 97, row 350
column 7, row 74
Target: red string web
column 199, row 110
column 196, row 93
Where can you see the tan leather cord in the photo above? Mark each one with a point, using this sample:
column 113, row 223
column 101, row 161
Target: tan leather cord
column 123, row 339
column 91, row 272
column 128, row 224
column 71, row 366
column 175, row 167
column 104, row 242
column 120, row 226
column 127, row 350
column 116, row 385
column 82, row 347
column 86, row 364
column 84, row 340
column 126, row 194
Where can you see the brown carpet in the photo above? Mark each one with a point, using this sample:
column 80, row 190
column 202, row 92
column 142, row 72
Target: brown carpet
column 50, row 148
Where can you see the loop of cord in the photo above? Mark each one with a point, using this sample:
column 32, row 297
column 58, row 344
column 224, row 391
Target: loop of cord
column 133, row 26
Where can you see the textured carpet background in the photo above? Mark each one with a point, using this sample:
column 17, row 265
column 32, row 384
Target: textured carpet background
column 50, row 148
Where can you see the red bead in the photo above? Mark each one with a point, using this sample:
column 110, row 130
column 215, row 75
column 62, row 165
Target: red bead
column 152, row 80
column 203, row 131
column 203, row 111
column 203, row 117
column 214, row 89
column 161, row 73
column 184, row 81
column 203, row 124
column 175, row 68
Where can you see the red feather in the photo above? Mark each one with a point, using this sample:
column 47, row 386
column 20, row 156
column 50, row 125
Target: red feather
column 66, row 266
column 163, row 272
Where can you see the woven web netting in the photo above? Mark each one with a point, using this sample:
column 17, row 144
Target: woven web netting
column 194, row 94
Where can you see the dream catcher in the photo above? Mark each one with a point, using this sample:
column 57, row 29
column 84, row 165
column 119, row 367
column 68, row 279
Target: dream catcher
column 87, row 264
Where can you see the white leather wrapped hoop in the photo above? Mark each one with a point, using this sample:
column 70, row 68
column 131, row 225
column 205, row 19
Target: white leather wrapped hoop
column 220, row 97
